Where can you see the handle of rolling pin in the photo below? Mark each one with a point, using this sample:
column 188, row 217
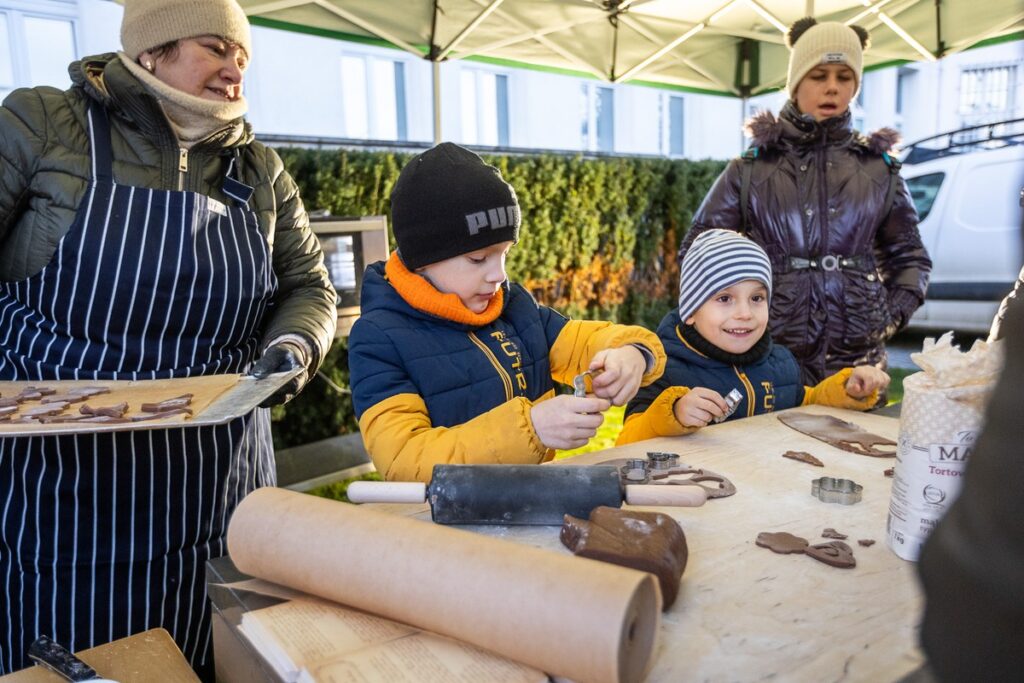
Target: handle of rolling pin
column 387, row 492
column 666, row 495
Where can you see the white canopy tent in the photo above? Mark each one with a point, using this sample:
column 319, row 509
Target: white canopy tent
column 728, row 47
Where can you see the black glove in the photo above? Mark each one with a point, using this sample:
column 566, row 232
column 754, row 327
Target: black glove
column 281, row 357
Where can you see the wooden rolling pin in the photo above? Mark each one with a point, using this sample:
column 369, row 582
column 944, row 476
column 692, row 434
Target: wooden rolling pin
column 522, row 494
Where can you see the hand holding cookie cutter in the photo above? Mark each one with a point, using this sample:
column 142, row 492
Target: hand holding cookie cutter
column 732, row 399
column 579, row 382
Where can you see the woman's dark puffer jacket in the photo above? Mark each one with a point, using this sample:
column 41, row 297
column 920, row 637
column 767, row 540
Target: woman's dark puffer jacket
column 819, row 189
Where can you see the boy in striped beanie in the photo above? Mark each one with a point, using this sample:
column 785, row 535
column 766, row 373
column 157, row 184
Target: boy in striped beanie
column 717, row 342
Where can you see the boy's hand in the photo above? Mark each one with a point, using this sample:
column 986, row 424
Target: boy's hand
column 566, row 421
column 621, row 372
column 865, row 380
column 699, row 406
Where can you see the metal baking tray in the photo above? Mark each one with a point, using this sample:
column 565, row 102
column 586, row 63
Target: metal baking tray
column 216, row 399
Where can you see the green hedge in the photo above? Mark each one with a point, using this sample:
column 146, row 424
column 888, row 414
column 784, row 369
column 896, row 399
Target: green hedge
column 598, row 241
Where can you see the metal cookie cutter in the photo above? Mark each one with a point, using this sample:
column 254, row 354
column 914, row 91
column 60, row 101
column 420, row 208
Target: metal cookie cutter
column 579, row 382
column 732, row 399
column 831, row 490
column 659, row 466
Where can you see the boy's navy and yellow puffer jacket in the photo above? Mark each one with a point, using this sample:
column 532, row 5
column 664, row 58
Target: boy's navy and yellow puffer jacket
column 768, row 377
column 430, row 391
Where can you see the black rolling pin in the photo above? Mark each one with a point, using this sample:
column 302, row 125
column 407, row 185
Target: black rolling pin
column 522, row 494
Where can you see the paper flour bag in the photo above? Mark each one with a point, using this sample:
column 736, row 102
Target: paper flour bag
column 940, row 419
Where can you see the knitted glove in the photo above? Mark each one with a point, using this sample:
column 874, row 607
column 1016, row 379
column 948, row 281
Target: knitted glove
column 831, row 391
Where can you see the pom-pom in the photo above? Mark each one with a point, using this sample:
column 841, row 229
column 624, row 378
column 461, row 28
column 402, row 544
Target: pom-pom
column 862, row 33
column 797, row 30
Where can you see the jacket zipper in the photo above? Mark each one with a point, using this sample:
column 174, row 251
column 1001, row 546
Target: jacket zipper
column 505, row 378
column 823, row 194
column 182, row 167
column 750, row 390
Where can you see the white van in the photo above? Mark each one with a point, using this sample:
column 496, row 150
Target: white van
column 967, row 188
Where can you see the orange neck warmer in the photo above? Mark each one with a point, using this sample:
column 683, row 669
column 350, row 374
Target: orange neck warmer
column 423, row 296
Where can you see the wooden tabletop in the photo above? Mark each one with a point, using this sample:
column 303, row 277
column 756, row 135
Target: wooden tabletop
column 745, row 613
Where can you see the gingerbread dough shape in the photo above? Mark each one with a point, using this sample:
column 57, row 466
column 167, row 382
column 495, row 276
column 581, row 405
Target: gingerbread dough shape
column 833, row 553
column 781, row 542
column 803, row 456
column 649, row 541
column 839, row 433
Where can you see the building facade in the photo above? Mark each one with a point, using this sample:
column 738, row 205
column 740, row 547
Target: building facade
column 311, row 87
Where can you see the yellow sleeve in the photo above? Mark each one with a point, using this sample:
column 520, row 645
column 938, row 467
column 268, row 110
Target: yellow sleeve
column 405, row 446
column 831, row 392
column 657, row 420
column 579, row 340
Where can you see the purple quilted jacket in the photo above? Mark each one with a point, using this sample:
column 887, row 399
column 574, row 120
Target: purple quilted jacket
column 847, row 274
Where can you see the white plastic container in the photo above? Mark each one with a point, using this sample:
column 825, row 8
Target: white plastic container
column 941, row 417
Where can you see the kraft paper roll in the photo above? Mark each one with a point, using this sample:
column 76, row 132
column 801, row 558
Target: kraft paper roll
column 568, row 616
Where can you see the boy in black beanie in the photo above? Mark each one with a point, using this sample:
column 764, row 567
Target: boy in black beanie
column 452, row 363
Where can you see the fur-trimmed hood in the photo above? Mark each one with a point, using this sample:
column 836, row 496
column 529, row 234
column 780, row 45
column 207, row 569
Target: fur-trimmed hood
column 767, row 132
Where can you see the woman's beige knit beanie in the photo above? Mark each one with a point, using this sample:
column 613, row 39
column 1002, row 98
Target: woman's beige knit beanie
column 830, row 42
column 150, row 23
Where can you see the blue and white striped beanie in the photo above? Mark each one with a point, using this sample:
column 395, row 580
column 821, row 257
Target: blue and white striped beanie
column 718, row 259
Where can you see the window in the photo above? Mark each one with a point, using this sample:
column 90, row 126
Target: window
column 51, row 47
column 923, row 190
column 904, row 82
column 35, row 49
column 597, row 117
column 987, row 94
column 6, row 58
column 674, row 124
column 484, row 107
column 373, row 91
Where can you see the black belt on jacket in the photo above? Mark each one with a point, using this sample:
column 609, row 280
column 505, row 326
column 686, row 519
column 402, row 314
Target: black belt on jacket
column 829, row 262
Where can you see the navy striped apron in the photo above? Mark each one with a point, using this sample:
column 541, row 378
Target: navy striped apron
column 106, row 535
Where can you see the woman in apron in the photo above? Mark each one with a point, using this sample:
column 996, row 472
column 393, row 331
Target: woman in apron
column 144, row 234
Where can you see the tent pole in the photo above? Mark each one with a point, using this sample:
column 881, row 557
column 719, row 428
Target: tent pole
column 437, row 101
column 435, row 63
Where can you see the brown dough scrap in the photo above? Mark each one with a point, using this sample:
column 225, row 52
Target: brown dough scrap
column 839, row 433
column 832, row 533
column 889, row 471
column 781, row 542
column 833, row 553
column 45, row 409
column 42, row 391
column 649, row 541
column 8, row 402
column 63, row 398
column 866, row 542
column 88, row 391
column 160, row 415
column 110, row 411
column 803, row 456
column 167, row 404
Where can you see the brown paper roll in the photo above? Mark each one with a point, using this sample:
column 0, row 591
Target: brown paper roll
column 568, row 616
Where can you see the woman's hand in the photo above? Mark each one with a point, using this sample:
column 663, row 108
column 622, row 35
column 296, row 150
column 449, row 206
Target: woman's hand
column 281, row 357
column 622, row 369
column 699, row 406
column 865, row 380
column 567, row 421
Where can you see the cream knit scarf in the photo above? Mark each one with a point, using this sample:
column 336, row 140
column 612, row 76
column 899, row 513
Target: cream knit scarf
column 192, row 118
